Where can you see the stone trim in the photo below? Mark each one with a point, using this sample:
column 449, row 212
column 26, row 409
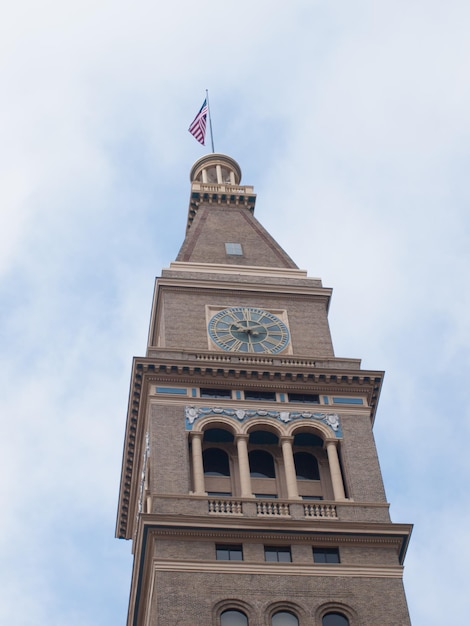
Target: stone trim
column 280, row 569
column 250, row 270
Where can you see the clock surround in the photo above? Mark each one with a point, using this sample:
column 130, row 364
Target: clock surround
column 248, row 329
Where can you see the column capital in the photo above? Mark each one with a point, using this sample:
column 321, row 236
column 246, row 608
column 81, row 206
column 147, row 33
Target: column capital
column 329, row 442
column 242, row 437
column 286, row 439
column 196, row 434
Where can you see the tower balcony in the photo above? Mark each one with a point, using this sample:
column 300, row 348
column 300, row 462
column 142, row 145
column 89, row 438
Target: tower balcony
column 211, row 506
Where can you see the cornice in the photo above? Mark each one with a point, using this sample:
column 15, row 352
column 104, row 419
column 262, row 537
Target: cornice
column 227, row 195
column 248, row 270
column 189, row 285
column 287, row 529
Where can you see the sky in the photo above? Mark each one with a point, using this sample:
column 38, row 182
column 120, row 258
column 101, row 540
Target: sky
column 351, row 120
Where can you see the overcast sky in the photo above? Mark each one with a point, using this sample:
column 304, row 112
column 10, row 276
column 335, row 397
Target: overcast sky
column 351, row 120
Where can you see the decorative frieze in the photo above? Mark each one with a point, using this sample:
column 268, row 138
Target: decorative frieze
column 332, row 420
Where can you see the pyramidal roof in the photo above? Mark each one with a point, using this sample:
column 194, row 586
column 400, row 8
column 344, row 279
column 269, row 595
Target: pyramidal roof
column 221, row 226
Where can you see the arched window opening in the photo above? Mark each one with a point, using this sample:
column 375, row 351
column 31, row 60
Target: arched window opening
column 233, row 618
column 216, row 462
column 263, row 437
column 218, row 435
column 335, row 619
column 261, row 464
column 306, row 466
column 284, row 618
column 308, row 439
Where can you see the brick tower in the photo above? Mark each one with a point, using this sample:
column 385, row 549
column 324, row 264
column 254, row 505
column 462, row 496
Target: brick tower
column 250, row 485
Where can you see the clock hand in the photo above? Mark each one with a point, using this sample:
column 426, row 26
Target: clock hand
column 256, row 326
column 240, row 328
column 249, row 329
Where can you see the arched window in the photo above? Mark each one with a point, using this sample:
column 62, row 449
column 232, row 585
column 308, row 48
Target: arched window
column 233, row 618
column 215, row 462
column 263, row 437
column 308, row 439
column 306, row 466
column 335, row 619
column 261, row 464
column 217, row 435
column 284, row 618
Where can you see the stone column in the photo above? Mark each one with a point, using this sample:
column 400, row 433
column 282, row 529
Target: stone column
column 289, row 466
column 244, row 465
column 198, row 466
column 335, row 470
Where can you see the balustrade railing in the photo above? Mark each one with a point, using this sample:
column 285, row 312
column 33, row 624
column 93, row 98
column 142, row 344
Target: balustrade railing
column 319, row 509
column 225, row 507
column 272, row 508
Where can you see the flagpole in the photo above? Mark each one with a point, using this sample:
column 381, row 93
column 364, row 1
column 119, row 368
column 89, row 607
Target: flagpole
column 210, row 120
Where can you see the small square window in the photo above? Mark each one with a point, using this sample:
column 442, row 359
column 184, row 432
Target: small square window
column 234, row 248
column 326, row 555
column 280, row 554
column 307, row 398
column 229, row 552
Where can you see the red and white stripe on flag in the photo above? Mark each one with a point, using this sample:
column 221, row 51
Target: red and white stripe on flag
column 198, row 126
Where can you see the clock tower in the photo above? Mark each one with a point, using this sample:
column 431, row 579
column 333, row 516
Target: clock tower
column 250, row 486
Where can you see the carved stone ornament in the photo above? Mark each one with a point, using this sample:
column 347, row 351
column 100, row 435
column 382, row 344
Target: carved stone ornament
column 193, row 413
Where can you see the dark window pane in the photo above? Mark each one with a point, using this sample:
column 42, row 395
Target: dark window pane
column 284, row 618
column 269, row 496
column 270, row 555
column 261, row 464
column 233, row 618
column 215, row 462
column 304, row 397
column 306, row 466
column 226, row 552
column 218, row 435
column 215, row 393
column 335, row 619
column 307, row 439
column 326, row 555
column 280, row 554
column 263, row 437
column 284, row 557
column 270, row 396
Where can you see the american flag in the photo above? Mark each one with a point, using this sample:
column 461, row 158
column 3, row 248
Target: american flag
column 198, row 126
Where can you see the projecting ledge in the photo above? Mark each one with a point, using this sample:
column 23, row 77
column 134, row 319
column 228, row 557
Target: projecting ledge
column 256, row 508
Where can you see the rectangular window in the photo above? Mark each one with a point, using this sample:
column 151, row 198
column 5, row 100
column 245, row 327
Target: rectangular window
column 308, row 398
column 229, row 552
column 279, row 554
column 215, row 393
column 269, row 396
column 234, row 248
column 312, row 497
column 326, row 555
column 266, row 496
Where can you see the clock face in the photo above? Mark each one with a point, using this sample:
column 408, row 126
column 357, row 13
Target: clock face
column 247, row 329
